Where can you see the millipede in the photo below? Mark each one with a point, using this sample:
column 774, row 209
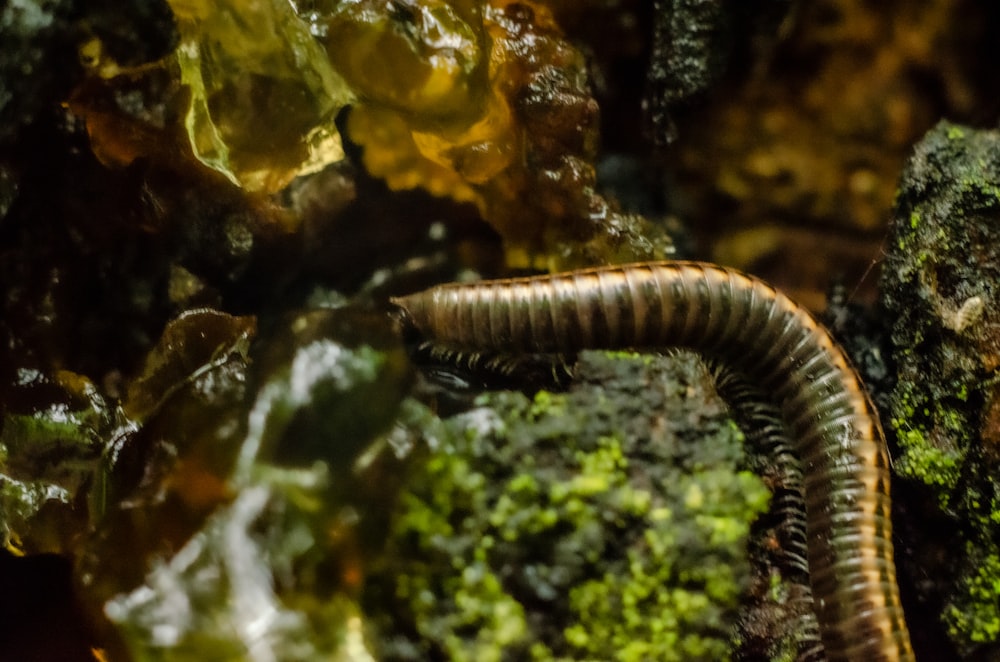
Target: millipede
column 759, row 332
column 765, row 437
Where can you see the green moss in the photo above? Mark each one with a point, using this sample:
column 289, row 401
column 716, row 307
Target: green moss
column 652, row 610
column 629, row 355
column 545, row 403
column 976, row 616
column 955, row 133
column 483, row 619
column 920, row 428
column 642, row 614
column 484, row 605
column 928, row 464
column 584, row 525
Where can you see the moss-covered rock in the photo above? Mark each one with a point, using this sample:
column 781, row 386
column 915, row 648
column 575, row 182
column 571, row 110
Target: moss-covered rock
column 607, row 522
column 940, row 286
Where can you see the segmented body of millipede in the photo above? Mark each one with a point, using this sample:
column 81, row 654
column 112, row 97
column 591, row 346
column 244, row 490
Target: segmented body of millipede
column 763, row 334
column 765, row 438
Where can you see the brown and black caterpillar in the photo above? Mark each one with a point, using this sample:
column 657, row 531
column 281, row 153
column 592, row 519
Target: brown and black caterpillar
column 766, row 336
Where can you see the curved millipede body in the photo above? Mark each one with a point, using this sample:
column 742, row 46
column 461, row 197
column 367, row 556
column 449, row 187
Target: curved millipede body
column 765, row 437
column 768, row 337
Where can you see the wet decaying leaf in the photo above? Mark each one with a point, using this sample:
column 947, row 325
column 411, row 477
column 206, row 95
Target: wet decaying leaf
column 49, row 455
column 263, row 98
column 236, row 504
column 486, row 103
column 193, row 342
column 213, row 443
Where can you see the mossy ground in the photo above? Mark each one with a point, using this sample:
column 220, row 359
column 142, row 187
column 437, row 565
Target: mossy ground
column 609, row 522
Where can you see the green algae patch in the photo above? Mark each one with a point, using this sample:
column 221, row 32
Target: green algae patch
column 607, row 522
